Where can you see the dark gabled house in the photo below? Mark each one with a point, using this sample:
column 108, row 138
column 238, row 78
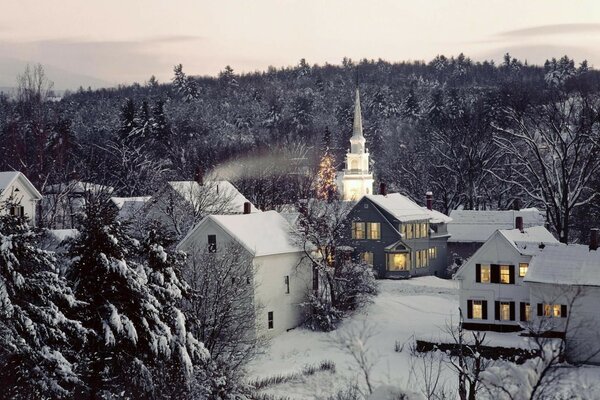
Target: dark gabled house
column 399, row 238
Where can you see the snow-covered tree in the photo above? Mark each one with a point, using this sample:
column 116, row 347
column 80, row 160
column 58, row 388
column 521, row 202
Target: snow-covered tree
column 184, row 85
column 326, row 186
column 38, row 341
column 129, row 309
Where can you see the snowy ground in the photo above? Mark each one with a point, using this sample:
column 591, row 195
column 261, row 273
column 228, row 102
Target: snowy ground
column 420, row 307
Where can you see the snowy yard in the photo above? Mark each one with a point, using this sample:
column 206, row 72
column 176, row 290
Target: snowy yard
column 404, row 309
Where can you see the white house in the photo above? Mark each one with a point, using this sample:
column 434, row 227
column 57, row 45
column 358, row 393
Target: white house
column 16, row 188
column 564, row 286
column 180, row 204
column 493, row 295
column 357, row 178
column 282, row 275
column 469, row 229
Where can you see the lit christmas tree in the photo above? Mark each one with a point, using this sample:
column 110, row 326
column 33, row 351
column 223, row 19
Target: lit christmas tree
column 326, row 187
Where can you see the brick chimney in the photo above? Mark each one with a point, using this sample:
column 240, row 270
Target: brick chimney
column 429, row 199
column 199, row 175
column 519, row 223
column 247, row 207
column 382, row 189
column 593, row 239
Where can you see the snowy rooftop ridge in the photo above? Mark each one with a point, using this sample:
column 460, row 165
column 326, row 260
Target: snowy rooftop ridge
column 8, row 177
column 78, row 187
column 189, row 190
column 477, row 226
column 129, row 206
column 572, row 264
column 528, row 242
column 404, row 209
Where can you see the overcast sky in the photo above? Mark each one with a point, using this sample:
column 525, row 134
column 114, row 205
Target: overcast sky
column 121, row 41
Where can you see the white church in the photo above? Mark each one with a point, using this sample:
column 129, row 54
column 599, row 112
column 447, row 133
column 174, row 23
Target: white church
column 357, row 178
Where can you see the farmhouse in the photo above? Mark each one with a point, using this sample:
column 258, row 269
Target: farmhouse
column 282, row 276
column 396, row 236
column 21, row 195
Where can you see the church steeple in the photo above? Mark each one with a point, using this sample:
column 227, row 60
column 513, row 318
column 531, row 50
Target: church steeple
column 357, row 128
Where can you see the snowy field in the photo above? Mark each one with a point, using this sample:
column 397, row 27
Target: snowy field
column 403, row 310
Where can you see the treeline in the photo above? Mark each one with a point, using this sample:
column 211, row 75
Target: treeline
column 480, row 135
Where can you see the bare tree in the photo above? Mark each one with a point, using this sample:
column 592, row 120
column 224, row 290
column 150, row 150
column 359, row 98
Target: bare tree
column 354, row 341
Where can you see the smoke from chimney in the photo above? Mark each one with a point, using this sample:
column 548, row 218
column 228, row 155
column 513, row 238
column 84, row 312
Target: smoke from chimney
column 382, row 189
column 247, row 207
column 429, row 198
column 594, row 239
column 519, row 223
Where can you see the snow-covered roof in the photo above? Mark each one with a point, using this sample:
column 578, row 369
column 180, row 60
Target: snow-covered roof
column 262, row 233
column 437, row 217
column 528, row 242
column 477, row 226
column 78, row 187
column 8, row 177
column 191, row 190
column 572, row 264
column 129, row 206
column 404, row 209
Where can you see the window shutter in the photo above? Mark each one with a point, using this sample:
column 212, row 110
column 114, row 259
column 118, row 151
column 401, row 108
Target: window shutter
column 497, row 310
column 470, row 309
column 511, row 271
column 563, row 311
column 495, row 273
column 484, row 309
column 522, row 312
column 477, row 272
column 512, row 310
column 540, row 308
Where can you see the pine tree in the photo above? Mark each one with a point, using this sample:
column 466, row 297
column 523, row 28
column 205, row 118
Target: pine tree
column 326, row 186
column 130, row 336
column 184, row 85
column 37, row 340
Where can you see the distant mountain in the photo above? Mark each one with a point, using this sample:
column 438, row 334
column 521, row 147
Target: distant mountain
column 63, row 79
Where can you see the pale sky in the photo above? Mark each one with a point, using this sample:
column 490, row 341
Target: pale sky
column 121, row 41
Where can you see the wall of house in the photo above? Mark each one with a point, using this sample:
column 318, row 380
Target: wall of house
column 20, row 193
column 271, row 293
column 582, row 322
column 497, row 250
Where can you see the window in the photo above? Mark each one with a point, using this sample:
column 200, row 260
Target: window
column 504, row 311
column 358, row 230
column 373, row 230
column 367, row 258
column 418, row 259
column 504, row 274
column 315, row 280
column 270, row 319
column 421, row 258
column 525, row 312
column 553, row 310
column 523, row 269
column 212, row 243
column 366, row 205
column 484, row 273
column 409, row 231
column 398, row 262
column 432, row 253
column 476, row 309
column 286, row 279
column 17, row 211
column 403, row 230
column 424, row 230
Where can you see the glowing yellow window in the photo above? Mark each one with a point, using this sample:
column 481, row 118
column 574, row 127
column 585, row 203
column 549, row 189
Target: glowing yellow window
column 504, row 274
column 477, row 309
column 358, row 230
column 485, row 273
column 373, row 230
column 367, row 258
column 505, row 311
column 523, row 269
column 398, row 262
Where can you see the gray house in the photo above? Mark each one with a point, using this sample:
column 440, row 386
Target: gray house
column 398, row 237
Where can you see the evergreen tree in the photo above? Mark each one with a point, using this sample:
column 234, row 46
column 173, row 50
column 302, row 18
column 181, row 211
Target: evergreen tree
column 184, row 85
column 130, row 335
column 37, row 340
column 326, row 186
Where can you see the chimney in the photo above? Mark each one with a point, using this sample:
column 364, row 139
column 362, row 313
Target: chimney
column 429, row 198
column 516, row 204
column 199, row 175
column 382, row 189
column 593, row 239
column 519, row 223
column 247, row 207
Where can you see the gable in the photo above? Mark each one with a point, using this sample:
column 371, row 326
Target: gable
column 197, row 239
column 497, row 249
column 16, row 183
column 372, row 213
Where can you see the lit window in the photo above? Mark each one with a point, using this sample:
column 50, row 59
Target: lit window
column 432, row 253
column 403, row 230
column 398, row 262
column 552, row 310
column 523, row 269
column 270, row 319
column 367, row 258
column 421, row 258
column 424, row 230
column 485, row 274
column 358, row 230
column 373, row 230
column 409, row 231
column 527, row 312
column 477, row 309
column 504, row 274
column 556, row 310
column 504, row 311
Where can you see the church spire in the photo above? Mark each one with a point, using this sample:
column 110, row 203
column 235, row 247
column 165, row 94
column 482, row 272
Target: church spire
column 357, row 128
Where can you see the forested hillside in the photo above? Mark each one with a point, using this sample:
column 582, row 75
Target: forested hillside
column 479, row 135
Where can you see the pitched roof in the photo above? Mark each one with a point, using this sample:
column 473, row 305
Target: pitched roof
column 404, row 209
column 262, row 233
column 357, row 128
column 78, row 187
column 129, row 206
column 190, row 190
column 528, row 242
column 572, row 264
column 477, row 226
column 8, row 177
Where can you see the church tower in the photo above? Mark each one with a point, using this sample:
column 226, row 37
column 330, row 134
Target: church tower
column 357, row 180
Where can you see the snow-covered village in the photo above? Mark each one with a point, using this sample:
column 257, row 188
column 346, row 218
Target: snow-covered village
column 291, row 200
